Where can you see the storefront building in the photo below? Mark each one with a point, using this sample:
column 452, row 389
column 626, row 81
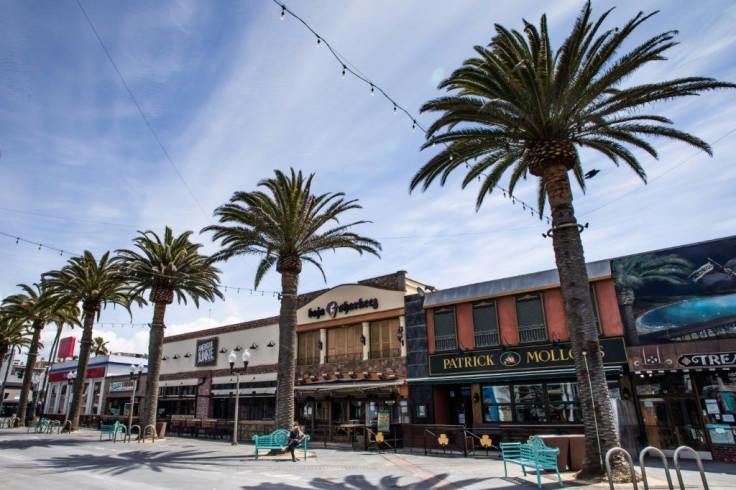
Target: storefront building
column 196, row 380
column 679, row 308
column 498, row 356
column 351, row 356
column 99, row 369
column 123, row 393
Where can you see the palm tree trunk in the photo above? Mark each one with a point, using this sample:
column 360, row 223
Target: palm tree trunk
column 85, row 346
column 287, row 348
column 28, row 375
column 599, row 424
column 155, row 349
column 52, row 356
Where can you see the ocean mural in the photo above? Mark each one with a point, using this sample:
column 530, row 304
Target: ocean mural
column 679, row 294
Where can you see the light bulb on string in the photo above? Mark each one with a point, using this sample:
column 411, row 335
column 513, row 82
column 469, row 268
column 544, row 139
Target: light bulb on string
column 373, row 90
column 394, row 108
column 319, row 41
column 344, row 69
column 413, row 124
column 17, row 240
column 283, row 12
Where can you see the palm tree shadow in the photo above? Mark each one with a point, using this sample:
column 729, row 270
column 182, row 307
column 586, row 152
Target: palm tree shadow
column 359, row 482
column 135, row 460
column 35, row 443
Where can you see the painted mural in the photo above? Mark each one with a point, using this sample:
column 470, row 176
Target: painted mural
column 679, row 294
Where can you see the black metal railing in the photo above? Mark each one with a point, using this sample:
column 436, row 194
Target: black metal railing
column 532, row 333
column 445, row 342
column 385, row 353
column 486, row 339
column 354, row 356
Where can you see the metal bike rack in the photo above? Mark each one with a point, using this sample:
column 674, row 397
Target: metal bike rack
column 628, row 459
column 129, row 434
column 661, row 455
column 676, row 459
column 150, row 427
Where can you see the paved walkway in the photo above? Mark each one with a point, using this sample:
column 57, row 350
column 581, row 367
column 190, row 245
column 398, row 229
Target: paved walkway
column 81, row 461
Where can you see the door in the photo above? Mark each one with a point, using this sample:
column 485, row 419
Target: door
column 686, row 423
column 461, row 406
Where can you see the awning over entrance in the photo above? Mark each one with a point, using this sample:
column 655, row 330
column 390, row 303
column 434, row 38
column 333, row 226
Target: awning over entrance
column 336, row 387
column 244, row 392
column 507, row 376
column 178, row 382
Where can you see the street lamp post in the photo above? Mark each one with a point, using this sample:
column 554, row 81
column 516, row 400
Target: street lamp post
column 135, row 374
column 69, row 381
column 232, row 358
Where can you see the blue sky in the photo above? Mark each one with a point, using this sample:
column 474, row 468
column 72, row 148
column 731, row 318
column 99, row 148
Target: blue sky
column 232, row 93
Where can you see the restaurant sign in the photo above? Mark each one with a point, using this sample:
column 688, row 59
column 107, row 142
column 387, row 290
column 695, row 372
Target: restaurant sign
column 333, row 308
column 206, row 352
column 122, row 385
column 519, row 358
column 710, row 359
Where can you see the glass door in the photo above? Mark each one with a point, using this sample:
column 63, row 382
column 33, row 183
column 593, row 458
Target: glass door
column 656, row 423
column 688, row 429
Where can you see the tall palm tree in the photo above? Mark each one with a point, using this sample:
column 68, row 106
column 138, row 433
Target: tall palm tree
column 36, row 306
column 286, row 226
column 636, row 271
column 96, row 284
column 521, row 108
column 169, row 266
column 99, row 346
column 14, row 334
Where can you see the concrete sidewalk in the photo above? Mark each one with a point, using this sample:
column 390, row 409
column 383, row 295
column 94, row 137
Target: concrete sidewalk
column 81, row 461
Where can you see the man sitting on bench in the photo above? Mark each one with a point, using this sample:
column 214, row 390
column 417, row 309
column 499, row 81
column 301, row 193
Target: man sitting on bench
column 296, row 436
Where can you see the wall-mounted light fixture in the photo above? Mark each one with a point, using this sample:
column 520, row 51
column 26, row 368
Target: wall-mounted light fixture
column 362, row 339
column 271, row 344
column 319, row 344
column 223, row 350
column 187, row 355
column 400, row 335
column 165, row 358
column 238, row 348
column 176, row 356
column 254, row 346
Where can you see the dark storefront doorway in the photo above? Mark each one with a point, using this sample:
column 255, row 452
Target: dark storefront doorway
column 461, row 406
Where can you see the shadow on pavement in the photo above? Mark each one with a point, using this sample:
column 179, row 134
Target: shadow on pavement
column 35, row 443
column 359, row 482
column 133, row 460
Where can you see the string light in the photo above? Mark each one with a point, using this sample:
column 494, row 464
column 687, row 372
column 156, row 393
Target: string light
column 319, row 42
column 283, row 12
column 362, row 78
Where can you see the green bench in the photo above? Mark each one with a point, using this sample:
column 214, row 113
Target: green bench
column 533, row 454
column 277, row 439
column 40, row 425
column 112, row 430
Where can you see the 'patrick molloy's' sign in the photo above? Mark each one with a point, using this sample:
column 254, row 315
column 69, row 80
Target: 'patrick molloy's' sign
column 519, row 358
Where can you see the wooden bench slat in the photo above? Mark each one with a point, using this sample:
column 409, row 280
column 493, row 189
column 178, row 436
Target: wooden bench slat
column 533, row 454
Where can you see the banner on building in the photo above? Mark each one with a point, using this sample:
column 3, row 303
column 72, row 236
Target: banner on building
column 66, row 347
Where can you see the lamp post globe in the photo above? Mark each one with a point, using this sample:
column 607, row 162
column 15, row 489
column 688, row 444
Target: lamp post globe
column 231, row 359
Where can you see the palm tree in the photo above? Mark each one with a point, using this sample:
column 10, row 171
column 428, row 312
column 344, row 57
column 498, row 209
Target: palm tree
column 14, row 333
column 286, row 228
column 37, row 307
column 636, row 271
column 99, row 346
column 169, row 267
column 95, row 284
column 522, row 108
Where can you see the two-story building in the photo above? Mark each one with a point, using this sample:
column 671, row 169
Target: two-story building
column 498, row 355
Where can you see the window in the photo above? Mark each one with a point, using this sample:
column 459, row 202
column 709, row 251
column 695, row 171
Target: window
column 343, row 343
column 530, row 318
column 594, row 303
column 497, row 404
column 485, row 323
column 384, row 339
column 553, row 402
column 445, row 336
column 307, row 348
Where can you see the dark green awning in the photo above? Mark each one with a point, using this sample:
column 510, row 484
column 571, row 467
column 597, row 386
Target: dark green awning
column 541, row 374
